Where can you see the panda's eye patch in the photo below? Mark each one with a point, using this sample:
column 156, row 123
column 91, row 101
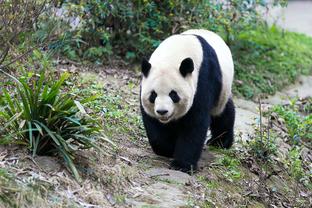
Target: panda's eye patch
column 174, row 96
column 152, row 97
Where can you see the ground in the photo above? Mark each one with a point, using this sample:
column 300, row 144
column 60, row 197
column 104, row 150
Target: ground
column 133, row 176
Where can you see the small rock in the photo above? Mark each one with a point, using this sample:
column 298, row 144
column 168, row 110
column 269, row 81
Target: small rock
column 48, row 164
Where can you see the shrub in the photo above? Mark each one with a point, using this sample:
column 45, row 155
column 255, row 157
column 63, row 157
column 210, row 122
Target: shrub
column 132, row 29
column 18, row 20
column 38, row 114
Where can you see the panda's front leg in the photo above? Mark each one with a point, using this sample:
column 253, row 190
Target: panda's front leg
column 189, row 145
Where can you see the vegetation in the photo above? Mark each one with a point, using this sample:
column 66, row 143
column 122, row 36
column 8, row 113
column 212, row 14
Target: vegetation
column 53, row 108
column 45, row 119
column 298, row 126
column 132, row 29
column 296, row 119
column 18, row 19
column 266, row 59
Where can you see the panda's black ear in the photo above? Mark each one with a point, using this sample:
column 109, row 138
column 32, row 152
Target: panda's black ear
column 186, row 67
column 146, row 66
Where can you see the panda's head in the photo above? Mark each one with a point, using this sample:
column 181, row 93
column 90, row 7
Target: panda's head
column 167, row 90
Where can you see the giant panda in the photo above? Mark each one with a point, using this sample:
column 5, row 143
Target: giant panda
column 185, row 90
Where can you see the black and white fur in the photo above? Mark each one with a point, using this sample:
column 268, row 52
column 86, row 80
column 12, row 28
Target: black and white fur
column 185, row 89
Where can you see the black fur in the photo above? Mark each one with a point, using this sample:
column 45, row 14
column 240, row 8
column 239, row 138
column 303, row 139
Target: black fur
column 186, row 67
column 145, row 66
column 174, row 96
column 183, row 139
column 222, row 127
column 152, row 97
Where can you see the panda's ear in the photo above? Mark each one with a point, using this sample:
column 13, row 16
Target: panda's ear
column 146, row 66
column 186, row 67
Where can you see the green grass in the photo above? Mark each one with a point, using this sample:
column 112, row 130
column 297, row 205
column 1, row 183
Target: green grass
column 112, row 107
column 267, row 59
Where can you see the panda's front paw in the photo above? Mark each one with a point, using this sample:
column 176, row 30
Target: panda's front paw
column 184, row 166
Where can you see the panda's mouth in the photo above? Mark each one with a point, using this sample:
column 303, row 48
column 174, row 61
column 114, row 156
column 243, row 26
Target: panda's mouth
column 165, row 119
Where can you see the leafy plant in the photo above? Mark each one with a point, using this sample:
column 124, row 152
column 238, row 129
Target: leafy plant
column 296, row 169
column 298, row 126
column 232, row 165
column 47, row 120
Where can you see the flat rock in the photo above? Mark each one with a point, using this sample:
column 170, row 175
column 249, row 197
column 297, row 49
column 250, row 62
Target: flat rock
column 171, row 176
column 160, row 195
column 244, row 123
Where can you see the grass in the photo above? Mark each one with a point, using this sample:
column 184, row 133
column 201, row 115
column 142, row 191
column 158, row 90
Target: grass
column 112, row 107
column 267, row 59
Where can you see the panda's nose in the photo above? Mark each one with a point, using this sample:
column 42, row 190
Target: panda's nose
column 162, row 112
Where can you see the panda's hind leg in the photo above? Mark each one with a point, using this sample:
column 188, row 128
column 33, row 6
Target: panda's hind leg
column 222, row 127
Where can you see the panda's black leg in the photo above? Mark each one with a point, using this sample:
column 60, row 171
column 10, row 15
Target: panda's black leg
column 162, row 144
column 159, row 136
column 189, row 145
column 222, row 127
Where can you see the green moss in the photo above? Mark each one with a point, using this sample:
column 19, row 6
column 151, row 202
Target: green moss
column 267, row 59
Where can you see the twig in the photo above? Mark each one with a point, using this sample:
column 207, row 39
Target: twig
column 260, row 125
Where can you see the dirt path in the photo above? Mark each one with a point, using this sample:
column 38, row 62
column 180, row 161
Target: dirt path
column 247, row 111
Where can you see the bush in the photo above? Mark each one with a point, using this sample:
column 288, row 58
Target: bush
column 132, row 29
column 18, row 21
column 38, row 114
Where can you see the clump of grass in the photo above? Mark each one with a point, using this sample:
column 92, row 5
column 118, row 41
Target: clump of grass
column 267, row 59
column 46, row 119
column 232, row 165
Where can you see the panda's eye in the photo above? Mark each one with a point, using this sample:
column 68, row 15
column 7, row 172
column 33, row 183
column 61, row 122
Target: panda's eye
column 174, row 96
column 152, row 97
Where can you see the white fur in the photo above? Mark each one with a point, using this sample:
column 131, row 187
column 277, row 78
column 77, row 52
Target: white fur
column 165, row 76
column 226, row 64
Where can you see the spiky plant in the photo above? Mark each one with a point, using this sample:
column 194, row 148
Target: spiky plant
column 46, row 119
